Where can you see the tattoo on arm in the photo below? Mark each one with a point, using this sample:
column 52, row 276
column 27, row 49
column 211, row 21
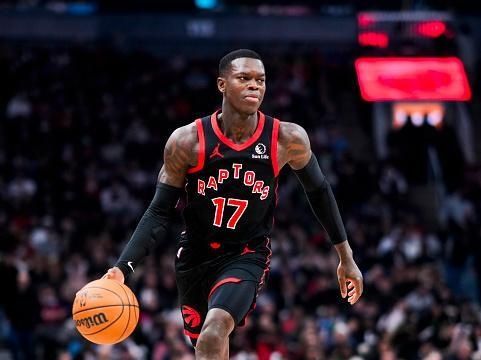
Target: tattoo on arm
column 178, row 155
column 298, row 147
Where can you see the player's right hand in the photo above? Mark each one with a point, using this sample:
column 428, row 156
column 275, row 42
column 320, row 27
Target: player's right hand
column 114, row 273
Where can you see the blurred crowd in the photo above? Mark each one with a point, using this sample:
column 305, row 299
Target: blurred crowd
column 82, row 132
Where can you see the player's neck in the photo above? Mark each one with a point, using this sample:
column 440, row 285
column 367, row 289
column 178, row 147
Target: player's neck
column 237, row 127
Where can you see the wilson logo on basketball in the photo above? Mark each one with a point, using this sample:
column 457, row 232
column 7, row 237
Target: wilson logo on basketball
column 191, row 316
column 89, row 321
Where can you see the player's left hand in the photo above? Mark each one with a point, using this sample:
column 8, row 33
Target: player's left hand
column 114, row 273
column 350, row 280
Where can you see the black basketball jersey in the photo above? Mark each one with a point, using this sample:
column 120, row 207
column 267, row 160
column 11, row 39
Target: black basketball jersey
column 231, row 193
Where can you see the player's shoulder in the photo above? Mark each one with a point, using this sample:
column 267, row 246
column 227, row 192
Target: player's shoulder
column 185, row 135
column 189, row 130
column 292, row 132
column 184, row 142
column 294, row 147
column 182, row 147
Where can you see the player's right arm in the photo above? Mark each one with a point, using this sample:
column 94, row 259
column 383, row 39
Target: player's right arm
column 180, row 154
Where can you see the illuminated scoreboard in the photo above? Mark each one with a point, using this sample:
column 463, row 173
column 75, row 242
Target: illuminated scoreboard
column 409, row 69
column 393, row 30
column 408, row 62
column 412, row 78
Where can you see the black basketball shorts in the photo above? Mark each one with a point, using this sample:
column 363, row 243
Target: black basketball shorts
column 219, row 278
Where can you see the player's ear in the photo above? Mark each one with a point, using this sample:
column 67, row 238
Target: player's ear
column 221, row 84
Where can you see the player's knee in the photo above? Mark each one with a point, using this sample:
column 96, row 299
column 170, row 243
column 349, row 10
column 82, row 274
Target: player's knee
column 214, row 332
column 210, row 339
column 211, row 343
column 217, row 327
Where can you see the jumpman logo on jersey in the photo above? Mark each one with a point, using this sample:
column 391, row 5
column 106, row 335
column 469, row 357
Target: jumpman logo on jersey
column 216, row 152
column 247, row 250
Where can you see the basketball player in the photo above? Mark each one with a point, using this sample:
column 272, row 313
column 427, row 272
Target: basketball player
column 228, row 164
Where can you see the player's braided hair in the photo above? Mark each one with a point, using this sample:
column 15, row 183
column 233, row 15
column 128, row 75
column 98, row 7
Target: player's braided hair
column 225, row 62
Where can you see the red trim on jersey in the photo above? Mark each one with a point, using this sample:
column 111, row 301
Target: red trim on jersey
column 268, row 263
column 274, row 140
column 191, row 335
column 222, row 282
column 201, row 156
column 276, row 200
column 229, row 142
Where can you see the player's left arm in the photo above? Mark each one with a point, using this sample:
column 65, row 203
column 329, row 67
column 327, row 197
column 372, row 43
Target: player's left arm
column 296, row 151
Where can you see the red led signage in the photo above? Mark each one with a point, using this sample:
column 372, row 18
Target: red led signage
column 374, row 39
column 365, row 19
column 392, row 79
column 431, row 29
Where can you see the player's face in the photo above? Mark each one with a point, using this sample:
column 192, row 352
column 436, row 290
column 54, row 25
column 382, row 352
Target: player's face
column 244, row 85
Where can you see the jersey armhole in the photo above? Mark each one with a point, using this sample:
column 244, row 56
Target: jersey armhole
column 274, row 141
column 201, row 155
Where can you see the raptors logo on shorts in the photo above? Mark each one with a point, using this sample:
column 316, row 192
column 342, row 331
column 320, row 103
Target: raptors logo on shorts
column 191, row 316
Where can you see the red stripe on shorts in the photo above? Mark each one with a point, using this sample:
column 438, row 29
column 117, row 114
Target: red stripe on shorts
column 222, row 282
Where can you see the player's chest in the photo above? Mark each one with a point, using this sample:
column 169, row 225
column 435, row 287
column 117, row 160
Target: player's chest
column 239, row 174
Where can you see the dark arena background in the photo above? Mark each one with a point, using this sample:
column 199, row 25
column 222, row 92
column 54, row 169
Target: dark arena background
column 389, row 93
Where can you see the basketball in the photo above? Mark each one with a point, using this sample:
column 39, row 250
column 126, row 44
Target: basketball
column 105, row 311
